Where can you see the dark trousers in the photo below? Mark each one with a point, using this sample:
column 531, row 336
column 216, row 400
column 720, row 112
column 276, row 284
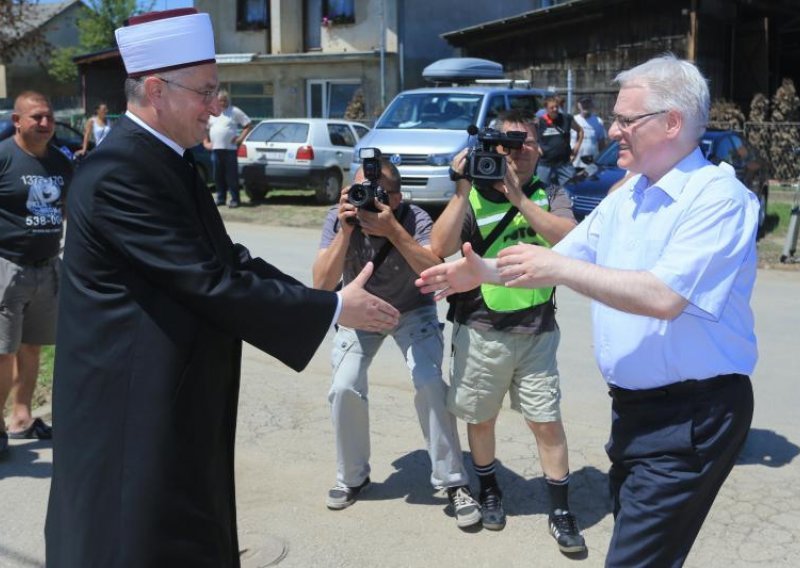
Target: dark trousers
column 226, row 175
column 671, row 449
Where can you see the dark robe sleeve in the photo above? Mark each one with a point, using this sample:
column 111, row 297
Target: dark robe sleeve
column 160, row 236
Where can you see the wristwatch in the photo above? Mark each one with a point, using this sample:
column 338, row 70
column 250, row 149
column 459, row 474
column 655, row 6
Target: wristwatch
column 455, row 176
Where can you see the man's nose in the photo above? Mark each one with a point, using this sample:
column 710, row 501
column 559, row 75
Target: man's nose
column 214, row 107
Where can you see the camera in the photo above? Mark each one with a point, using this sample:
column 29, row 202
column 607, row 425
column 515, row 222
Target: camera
column 363, row 195
column 484, row 164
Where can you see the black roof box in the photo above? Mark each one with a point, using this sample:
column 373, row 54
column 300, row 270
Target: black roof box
column 462, row 69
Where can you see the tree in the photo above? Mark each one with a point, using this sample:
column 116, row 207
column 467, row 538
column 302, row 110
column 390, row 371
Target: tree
column 95, row 33
column 17, row 34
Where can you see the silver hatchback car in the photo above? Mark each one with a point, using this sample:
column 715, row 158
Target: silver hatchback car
column 299, row 153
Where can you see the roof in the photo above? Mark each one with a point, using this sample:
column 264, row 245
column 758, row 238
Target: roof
column 565, row 12
column 35, row 16
column 472, row 90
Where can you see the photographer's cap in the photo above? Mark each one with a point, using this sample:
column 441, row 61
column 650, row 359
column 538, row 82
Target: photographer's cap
column 165, row 40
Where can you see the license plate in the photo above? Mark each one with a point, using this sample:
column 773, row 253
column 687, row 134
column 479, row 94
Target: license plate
column 406, row 195
column 277, row 156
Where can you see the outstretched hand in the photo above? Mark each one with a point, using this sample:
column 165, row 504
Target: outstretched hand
column 458, row 276
column 527, row 266
column 362, row 310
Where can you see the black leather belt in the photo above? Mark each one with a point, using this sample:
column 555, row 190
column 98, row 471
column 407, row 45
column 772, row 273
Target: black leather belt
column 683, row 388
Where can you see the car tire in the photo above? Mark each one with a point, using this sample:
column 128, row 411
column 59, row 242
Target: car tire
column 330, row 188
column 255, row 192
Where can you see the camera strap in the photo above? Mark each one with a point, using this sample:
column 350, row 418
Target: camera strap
column 381, row 255
column 483, row 245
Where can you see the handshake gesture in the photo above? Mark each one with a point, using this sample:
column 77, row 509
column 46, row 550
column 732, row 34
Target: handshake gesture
column 519, row 266
column 362, row 310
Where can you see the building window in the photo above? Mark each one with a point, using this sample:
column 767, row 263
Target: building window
column 252, row 14
column 329, row 99
column 255, row 99
column 338, row 12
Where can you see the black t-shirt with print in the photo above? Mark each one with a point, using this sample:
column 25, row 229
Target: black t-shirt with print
column 554, row 138
column 32, row 194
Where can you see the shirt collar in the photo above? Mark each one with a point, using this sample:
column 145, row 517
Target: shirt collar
column 178, row 148
column 673, row 182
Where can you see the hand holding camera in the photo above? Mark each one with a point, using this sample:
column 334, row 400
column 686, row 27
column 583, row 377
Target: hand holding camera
column 485, row 163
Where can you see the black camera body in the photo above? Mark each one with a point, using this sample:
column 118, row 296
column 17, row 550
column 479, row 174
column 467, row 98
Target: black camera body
column 485, row 164
column 363, row 195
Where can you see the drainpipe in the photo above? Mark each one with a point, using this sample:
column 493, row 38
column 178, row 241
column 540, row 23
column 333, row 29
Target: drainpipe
column 383, row 54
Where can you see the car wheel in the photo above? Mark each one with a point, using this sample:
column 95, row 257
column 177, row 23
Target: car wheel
column 255, row 192
column 330, row 188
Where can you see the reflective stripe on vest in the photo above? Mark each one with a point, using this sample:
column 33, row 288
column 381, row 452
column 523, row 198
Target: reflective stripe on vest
column 487, row 215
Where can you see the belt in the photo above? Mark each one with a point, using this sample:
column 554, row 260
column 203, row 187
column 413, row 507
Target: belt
column 674, row 390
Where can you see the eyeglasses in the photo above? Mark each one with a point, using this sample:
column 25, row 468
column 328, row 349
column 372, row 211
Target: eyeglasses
column 208, row 95
column 626, row 122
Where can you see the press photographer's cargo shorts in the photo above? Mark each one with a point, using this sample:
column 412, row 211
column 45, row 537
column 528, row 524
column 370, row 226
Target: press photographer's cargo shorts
column 28, row 304
column 484, row 365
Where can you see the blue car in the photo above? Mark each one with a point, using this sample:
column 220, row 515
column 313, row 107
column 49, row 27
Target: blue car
column 588, row 188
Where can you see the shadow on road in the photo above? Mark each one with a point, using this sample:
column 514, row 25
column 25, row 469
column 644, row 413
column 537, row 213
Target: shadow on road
column 589, row 497
column 22, row 460
column 765, row 447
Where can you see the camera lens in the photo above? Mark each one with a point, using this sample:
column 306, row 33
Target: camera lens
column 486, row 166
column 358, row 195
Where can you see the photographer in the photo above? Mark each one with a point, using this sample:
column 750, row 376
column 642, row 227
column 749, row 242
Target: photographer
column 504, row 341
column 385, row 228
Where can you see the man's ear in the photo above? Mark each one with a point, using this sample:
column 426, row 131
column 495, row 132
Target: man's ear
column 674, row 124
column 154, row 91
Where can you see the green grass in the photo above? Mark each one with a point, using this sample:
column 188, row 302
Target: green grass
column 44, row 384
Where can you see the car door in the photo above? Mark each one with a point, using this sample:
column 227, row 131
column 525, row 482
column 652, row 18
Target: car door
column 342, row 140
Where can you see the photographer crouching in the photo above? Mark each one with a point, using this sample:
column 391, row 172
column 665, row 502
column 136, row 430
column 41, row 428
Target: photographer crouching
column 371, row 223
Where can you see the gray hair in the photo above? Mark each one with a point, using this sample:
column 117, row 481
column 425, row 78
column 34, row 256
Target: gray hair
column 673, row 84
column 134, row 86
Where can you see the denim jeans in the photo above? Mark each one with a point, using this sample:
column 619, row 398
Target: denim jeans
column 226, row 174
column 555, row 174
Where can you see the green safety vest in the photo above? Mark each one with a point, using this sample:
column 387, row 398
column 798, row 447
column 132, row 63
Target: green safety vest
column 487, row 215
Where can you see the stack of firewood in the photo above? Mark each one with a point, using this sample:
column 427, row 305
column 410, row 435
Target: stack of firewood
column 758, row 132
column 725, row 115
column 784, row 141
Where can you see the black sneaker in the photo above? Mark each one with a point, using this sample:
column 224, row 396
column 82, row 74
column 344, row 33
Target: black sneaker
column 340, row 497
column 492, row 513
column 564, row 529
column 465, row 507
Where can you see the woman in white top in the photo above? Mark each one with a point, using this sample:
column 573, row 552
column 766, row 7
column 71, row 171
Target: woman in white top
column 97, row 127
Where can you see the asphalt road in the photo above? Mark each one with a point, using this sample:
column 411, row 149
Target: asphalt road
column 285, row 459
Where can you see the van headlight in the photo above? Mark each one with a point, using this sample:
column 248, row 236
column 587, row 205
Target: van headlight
column 440, row 159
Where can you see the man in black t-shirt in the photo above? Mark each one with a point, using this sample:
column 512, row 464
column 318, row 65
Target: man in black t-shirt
column 556, row 155
column 33, row 181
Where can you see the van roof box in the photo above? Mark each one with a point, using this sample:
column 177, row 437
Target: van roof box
column 462, row 70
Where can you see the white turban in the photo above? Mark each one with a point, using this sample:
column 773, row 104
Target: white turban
column 161, row 41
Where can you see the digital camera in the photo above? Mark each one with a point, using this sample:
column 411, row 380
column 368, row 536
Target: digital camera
column 485, row 164
column 363, row 195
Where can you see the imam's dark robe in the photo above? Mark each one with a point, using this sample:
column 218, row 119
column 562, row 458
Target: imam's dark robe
column 155, row 301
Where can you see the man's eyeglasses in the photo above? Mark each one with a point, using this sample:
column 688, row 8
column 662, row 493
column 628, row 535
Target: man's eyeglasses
column 208, row 95
column 626, row 122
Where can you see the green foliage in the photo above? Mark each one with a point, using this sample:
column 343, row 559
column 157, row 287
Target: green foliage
column 61, row 67
column 95, row 33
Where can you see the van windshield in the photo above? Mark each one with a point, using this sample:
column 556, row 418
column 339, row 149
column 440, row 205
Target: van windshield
column 438, row 111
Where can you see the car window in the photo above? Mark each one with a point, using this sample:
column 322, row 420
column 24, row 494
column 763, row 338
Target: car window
column 440, row 111
column 361, row 131
column 608, row 158
column 528, row 103
column 341, row 135
column 724, row 150
column 497, row 104
column 293, row 132
column 67, row 135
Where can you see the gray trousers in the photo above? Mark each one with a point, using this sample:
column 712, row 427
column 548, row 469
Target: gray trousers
column 419, row 337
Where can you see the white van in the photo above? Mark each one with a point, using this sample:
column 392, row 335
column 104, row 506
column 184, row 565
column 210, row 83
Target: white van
column 423, row 129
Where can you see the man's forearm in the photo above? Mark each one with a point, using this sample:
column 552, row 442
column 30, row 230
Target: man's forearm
column 417, row 256
column 632, row 291
column 329, row 264
column 552, row 227
column 446, row 231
